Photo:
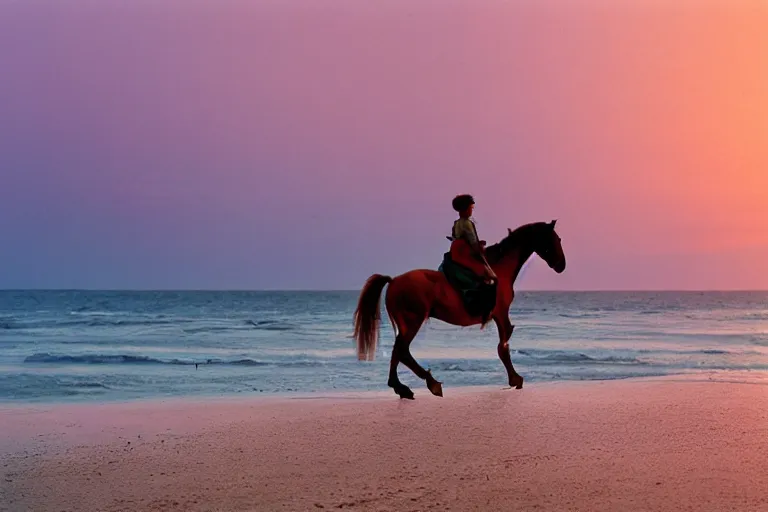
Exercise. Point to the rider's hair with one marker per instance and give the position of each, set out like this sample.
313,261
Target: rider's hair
462,202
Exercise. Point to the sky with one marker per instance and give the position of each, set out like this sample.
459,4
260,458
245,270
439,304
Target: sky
297,144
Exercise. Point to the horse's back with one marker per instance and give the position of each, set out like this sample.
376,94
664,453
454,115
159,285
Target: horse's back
423,275
426,292
418,279
415,286
421,286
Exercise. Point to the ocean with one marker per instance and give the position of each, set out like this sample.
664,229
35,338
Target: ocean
58,346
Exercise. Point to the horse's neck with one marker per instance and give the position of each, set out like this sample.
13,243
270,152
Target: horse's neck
511,264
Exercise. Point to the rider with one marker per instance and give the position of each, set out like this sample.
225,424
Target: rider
466,249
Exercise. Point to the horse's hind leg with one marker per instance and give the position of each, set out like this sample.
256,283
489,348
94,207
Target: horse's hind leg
401,389
402,351
407,327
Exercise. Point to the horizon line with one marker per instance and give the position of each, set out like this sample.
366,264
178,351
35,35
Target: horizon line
332,290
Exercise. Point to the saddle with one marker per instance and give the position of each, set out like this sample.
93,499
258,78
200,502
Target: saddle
479,298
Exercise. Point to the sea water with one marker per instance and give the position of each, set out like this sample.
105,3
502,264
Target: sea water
95,346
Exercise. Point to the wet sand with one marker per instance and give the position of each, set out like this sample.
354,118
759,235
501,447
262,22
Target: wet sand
642,444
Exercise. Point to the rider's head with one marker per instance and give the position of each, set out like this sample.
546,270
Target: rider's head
464,204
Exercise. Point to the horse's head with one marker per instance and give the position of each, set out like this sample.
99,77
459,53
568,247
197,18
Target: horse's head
550,249
546,243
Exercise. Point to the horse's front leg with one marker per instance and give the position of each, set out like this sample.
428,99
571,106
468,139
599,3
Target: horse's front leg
505,328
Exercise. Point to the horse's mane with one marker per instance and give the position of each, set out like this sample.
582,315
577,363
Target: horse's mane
522,235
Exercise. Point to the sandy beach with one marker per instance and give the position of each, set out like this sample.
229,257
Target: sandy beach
641,444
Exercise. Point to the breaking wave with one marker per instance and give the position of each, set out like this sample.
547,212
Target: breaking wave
130,359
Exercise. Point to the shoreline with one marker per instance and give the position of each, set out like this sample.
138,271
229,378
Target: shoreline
654,443
730,375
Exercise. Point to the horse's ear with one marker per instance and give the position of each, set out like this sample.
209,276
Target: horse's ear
510,231
552,224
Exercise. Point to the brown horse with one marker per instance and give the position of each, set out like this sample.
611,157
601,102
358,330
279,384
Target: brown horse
417,295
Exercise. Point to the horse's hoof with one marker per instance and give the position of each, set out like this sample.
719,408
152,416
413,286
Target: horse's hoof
435,387
516,383
404,392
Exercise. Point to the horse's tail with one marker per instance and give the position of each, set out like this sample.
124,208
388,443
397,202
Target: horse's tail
367,316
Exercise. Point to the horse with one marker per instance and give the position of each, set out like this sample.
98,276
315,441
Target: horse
420,294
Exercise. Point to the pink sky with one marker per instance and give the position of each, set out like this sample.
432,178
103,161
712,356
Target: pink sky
304,144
